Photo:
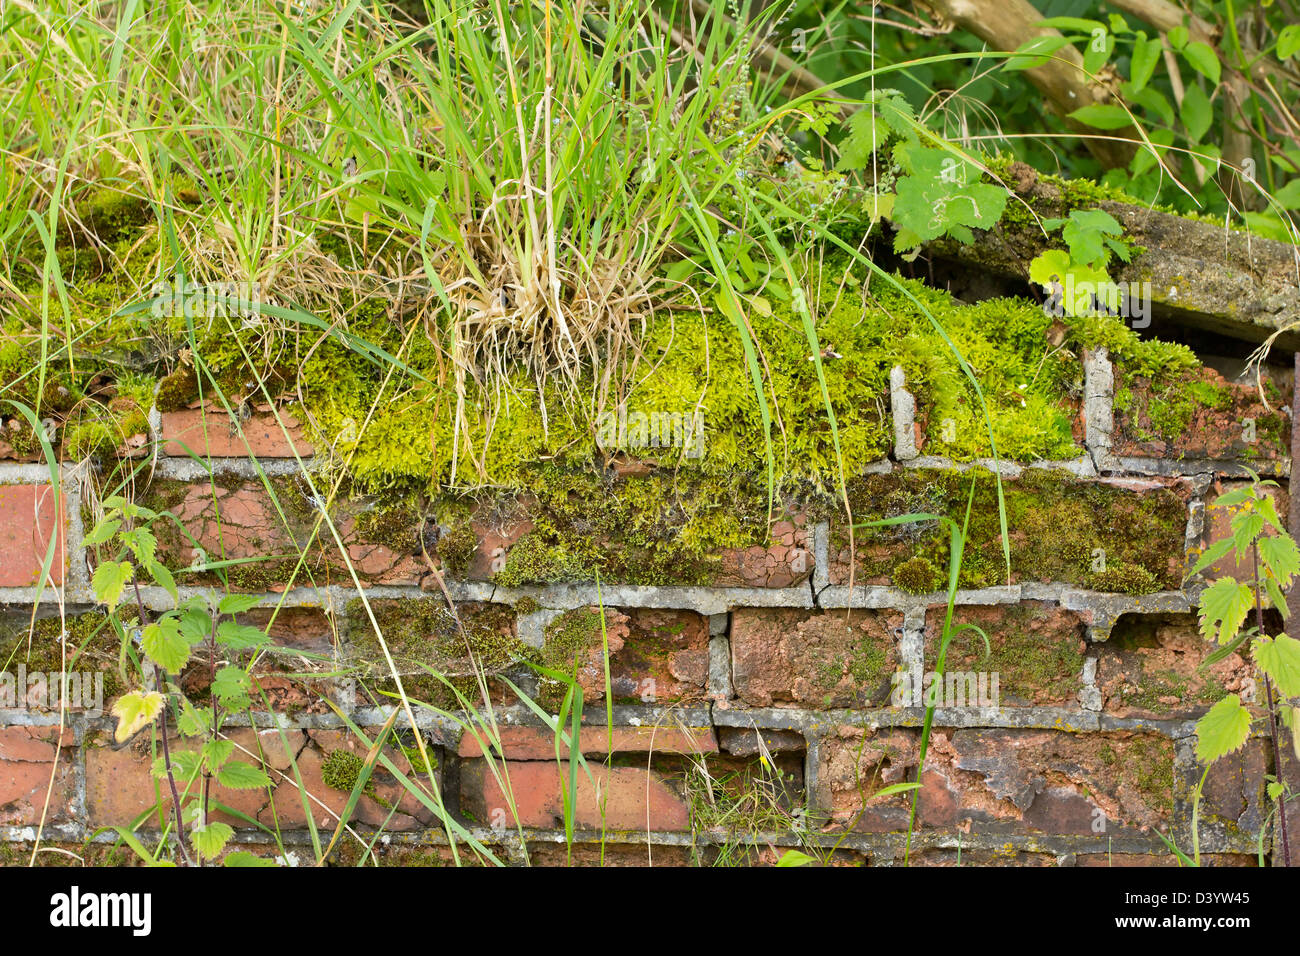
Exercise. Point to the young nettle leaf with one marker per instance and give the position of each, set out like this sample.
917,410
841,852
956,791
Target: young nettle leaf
239,637
1246,527
238,775
163,578
164,644
109,580
195,625
103,530
1279,658
210,840
190,723
216,753
135,710
1224,606
238,603
142,544
1280,557
186,766
1220,549
1223,729
231,684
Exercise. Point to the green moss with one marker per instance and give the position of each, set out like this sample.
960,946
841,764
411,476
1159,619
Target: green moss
1027,661
341,769
918,576
1123,578
457,548
526,605
92,645
1151,762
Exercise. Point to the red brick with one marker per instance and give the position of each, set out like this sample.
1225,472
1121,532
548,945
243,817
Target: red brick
28,518
1218,527
788,657
1161,859
1149,667
1035,648
990,782
537,743
28,773
633,798
786,561
611,855
209,432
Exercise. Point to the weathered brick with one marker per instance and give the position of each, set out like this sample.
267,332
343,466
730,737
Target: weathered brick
611,854
623,798
1035,648
1234,800
538,743
28,520
745,741
1001,781
1059,527
1160,859
1148,667
655,656
787,657
237,519
1200,415
28,775
209,431
1218,527
786,561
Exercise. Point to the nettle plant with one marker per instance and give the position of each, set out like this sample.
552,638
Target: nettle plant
158,648
1259,542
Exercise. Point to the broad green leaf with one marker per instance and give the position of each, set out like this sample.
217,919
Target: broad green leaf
1204,60
1049,267
1212,554
1102,116
1288,41
1035,52
217,752
1223,729
1082,24
231,683
245,858
163,577
142,544
1279,658
239,637
103,531
238,603
238,775
196,625
165,646
1178,37
135,710
109,580
1280,555
190,723
794,858
1246,527
210,840
1224,606
1196,113
1235,497
1146,54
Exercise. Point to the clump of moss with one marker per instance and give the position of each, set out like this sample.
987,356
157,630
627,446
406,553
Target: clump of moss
569,636
341,769
918,576
177,390
533,561
457,547
1121,577
526,605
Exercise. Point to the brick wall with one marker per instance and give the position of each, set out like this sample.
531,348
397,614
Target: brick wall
752,698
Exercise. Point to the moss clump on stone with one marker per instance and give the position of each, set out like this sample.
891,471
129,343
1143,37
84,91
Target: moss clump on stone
456,548
918,576
341,769
1123,578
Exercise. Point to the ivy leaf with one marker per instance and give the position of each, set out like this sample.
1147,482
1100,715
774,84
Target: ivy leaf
109,580
1204,61
165,646
238,775
210,840
1224,606
135,710
1279,658
240,637
1146,54
1223,729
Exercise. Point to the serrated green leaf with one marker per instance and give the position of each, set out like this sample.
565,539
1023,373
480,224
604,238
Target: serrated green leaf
238,603
216,753
190,723
142,544
1223,729
1280,556
239,637
195,625
1279,658
135,710
109,580
1246,527
103,531
210,840
238,775
231,683
163,578
1224,606
163,644
1213,553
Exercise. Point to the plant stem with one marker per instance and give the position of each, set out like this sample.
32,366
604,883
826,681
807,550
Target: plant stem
1272,715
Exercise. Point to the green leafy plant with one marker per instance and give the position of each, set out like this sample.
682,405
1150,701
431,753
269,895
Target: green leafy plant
1091,237
1272,560
199,629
